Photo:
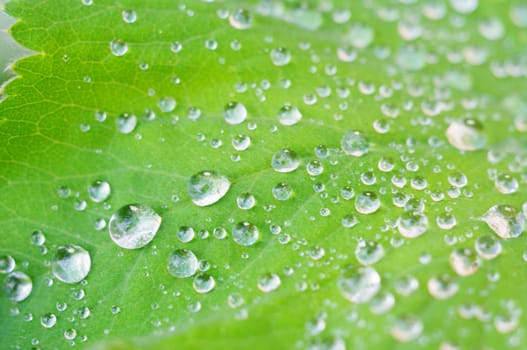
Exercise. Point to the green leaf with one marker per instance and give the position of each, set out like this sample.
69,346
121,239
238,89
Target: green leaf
404,74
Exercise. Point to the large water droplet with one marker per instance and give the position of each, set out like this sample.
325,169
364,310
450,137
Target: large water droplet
369,252
126,123
285,161
269,282
505,221
234,113
118,47
203,283
245,233
207,187
182,263
359,284
367,202
134,225
487,247
99,191
466,135
355,143
280,56
412,224
241,19
17,286
289,115
406,328
464,261
71,264
442,286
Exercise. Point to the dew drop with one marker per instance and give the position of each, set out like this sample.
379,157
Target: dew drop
241,142
17,286
285,161
245,234
367,202
487,247
406,328
118,47
246,201
48,320
133,226
126,123
359,284
355,143
466,135
282,191
369,252
71,264
269,282
464,261
234,113
280,56
185,234
207,187
99,191
182,263
7,264
442,286
129,16
505,221
241,19
203,283
167,104
289,115
412,224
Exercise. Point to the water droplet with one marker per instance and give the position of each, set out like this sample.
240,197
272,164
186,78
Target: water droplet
506,184
203,283
412,224
487,247
182,263
505,221
241,142
367,202
382,303
355,143
126,123
167,104
129,16
464,6
241,19
185,234
282,191
280,56
99,191
7,264
406,328
466,135
442,286
118,47
269,282
17,286
314,168
369,252
70,334
234,113
359,284
446,221
289,115
464,261
360,36
71,264
285,161
133,226
207,187
48,320
246,201
244,233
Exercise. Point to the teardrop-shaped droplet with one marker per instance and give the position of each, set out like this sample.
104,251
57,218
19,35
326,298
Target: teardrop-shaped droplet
505,221
133,226
207,187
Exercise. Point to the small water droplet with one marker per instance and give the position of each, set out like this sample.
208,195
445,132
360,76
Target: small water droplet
369,252
7,264
282,191
126,123
99,191
355,143
367,202
464,261
412,224
280,56
234,113
241,19
487,247
406,328
118,47
269,282
203,283
359,284
244,233
289,115
129,16
466,135
246,201
17,286
285,161
48,320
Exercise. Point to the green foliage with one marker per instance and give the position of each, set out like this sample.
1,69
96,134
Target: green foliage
415,88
